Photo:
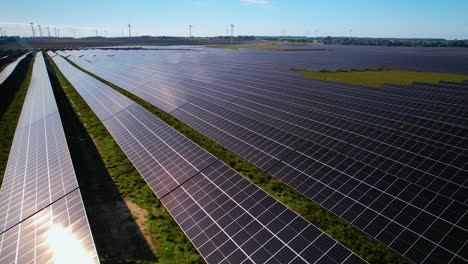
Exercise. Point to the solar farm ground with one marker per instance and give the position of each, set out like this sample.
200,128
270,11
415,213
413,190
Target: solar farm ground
122,207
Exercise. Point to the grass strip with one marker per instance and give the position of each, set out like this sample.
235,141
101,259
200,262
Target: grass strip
10,117
377,77
171,244
360,243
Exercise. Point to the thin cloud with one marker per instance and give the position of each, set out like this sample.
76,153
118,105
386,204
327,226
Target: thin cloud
254,2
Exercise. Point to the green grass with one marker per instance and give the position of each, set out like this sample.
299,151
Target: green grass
377,77
12,114
362,244
245,47
172,246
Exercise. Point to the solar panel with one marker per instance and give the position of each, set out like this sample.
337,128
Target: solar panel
163,157
399,148
39,191
57,234
226,217
461,86
9,69
230,220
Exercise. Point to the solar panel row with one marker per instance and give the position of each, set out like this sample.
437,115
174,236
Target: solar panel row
227,218
346,57
41,210
9,69
391,161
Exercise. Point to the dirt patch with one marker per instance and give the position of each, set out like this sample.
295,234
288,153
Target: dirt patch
141,215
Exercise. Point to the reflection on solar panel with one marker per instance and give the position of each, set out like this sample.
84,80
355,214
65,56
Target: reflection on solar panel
9,69
227,218
391,161
39,197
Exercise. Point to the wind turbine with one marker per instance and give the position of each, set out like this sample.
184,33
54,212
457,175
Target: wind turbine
129,31
40,30
32,28
190,31
1,32
55,30
48,31
232,32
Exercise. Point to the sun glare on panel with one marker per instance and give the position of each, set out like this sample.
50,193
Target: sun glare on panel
66,248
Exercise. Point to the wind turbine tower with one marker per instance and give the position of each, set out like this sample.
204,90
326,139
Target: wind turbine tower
232,32
40,30
1,32
55,30
190,31
48,31
32,28
129,31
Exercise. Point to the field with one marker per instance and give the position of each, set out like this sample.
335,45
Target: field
105,42
378,77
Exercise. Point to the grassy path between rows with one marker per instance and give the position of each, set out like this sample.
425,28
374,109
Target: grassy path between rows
359,242
121,190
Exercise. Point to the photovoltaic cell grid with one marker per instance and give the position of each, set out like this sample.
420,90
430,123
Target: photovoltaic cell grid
221,205
163,156
338,57
9,69
417,164
57,234
40,174
222,213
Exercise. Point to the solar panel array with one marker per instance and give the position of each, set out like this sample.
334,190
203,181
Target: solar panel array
391,161
227,218
9,69
40,201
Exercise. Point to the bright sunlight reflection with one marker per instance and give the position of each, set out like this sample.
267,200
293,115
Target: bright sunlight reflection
66,248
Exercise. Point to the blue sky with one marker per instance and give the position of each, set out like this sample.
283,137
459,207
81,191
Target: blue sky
363,18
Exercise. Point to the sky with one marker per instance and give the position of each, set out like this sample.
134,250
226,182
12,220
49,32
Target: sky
362,18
